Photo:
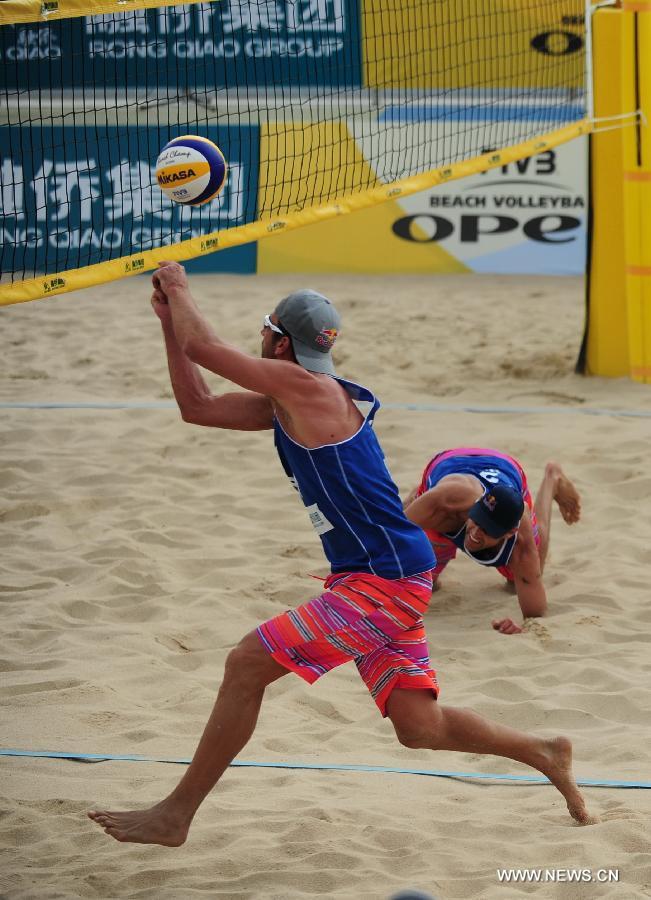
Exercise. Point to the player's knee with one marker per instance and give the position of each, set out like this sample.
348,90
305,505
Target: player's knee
244,669
415,718
235,672
414,738
414,732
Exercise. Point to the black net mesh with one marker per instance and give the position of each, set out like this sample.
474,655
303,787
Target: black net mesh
311,101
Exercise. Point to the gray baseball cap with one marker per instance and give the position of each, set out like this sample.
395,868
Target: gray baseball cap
313,324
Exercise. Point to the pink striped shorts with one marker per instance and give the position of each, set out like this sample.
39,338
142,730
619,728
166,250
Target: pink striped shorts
375,622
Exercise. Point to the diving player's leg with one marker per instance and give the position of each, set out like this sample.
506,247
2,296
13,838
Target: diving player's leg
555,486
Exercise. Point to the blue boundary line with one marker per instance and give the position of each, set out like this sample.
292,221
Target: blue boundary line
391,770
417,407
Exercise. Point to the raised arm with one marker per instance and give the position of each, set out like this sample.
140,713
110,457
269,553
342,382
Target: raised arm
241,411
197,340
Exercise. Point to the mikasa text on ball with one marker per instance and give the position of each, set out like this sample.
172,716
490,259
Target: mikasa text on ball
191,170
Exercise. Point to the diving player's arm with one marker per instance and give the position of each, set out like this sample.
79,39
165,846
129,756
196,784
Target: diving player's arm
527,575
451,495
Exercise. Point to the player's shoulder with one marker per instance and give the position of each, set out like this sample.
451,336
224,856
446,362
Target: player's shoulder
454,492
293,377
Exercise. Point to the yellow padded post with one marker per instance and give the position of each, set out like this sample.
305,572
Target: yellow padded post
607,325
637,189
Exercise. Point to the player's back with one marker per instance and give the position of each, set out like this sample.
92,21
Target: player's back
353,503
489,466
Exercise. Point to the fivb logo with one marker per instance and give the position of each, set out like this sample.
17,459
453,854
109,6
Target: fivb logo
53,284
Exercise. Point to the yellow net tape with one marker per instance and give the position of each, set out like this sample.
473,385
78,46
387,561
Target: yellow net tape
47,286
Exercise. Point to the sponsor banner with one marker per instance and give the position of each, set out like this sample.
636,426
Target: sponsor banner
74,196
528,217
192,48
506,44
525,218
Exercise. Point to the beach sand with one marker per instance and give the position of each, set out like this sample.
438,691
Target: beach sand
139,549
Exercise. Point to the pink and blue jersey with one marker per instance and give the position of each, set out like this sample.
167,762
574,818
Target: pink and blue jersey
352,501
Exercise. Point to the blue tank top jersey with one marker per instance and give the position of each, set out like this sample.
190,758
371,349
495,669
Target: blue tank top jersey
353,502
490,470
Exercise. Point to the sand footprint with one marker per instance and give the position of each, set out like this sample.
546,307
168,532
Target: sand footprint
533,626
24,512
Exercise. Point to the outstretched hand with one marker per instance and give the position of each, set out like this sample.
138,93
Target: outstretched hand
160,306
168,275
506,626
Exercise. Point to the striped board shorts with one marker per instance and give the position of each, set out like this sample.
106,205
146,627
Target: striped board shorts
375,622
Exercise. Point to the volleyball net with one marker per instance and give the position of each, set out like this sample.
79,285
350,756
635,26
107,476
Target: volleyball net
321,107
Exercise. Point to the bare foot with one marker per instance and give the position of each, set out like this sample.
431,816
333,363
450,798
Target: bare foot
565,494
558,768
157,825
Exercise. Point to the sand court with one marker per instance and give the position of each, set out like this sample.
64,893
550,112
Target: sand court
139,549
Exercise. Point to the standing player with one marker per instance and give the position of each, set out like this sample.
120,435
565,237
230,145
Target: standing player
477,500
372,606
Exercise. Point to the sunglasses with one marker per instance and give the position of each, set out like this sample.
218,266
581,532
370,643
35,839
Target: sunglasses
277,328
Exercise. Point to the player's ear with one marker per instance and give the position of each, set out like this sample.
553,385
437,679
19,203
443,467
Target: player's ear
282,346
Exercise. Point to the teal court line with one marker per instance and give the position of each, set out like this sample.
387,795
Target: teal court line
391,770
416,407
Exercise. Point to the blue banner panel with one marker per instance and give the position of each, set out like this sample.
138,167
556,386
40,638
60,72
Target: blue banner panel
205,46
75,196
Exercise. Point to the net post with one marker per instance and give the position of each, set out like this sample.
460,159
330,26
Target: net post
637,189
605,345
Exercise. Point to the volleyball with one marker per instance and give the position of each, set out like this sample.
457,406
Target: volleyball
191,170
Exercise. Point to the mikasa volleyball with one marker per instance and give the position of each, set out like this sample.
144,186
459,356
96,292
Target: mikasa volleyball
191,170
